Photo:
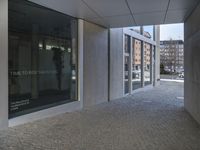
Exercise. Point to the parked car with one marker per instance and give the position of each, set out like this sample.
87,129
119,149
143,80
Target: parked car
136,74
181,74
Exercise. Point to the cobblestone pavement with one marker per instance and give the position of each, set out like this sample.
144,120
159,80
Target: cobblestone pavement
151,120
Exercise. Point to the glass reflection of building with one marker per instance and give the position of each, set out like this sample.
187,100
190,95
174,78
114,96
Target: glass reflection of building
126,63
142,57
147,64
42,58
136,64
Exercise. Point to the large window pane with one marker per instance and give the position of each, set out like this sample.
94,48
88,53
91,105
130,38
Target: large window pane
42,58
136,64
147,63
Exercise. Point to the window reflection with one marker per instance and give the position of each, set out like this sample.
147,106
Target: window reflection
147,63
42,58
136,64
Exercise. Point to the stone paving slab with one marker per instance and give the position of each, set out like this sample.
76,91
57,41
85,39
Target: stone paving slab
150,120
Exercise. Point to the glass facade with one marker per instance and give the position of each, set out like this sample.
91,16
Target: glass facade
126,62
146,31
136,64
42,58
139,58
147,64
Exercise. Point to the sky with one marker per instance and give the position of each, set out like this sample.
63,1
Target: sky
174,31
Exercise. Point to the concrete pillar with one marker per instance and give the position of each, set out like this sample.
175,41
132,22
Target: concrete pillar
192,64
116,63
151,64
157,55
154,65
142,57
130,66
142,63
3,64
133,59
80,61
95,74
154,57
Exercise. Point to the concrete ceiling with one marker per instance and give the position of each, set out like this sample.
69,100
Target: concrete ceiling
124,13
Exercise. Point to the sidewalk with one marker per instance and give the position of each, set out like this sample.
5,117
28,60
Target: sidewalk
150,120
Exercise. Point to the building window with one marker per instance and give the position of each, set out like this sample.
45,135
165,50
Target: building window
42,58
136,64
147,63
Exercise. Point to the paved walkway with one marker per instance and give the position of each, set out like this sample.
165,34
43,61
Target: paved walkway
150,120
172,80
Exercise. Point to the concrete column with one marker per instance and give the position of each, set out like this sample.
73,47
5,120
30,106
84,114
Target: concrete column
3,64
154,66
80,61
154,57
130,66
133,59
116,63
192,63
142,57
151,64
142,63
154,32
109,56
157,55
95,74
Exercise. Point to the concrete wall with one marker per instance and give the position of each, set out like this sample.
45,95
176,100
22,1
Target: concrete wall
3,64
95,66
116,63
157,55
192,64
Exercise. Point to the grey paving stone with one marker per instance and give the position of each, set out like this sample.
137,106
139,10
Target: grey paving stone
150,120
